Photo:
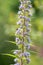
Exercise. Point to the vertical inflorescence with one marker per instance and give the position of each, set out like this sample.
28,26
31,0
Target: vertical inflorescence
23,33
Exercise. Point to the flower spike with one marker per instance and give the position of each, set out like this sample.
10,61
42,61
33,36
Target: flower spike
23,32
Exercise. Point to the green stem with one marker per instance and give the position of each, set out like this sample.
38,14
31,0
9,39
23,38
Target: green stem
23,41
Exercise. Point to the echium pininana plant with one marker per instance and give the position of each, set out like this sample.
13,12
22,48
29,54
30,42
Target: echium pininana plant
23,33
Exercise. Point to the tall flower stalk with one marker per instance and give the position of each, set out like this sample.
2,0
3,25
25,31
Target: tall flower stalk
23,33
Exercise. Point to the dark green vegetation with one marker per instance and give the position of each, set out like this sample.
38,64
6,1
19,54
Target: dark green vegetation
8,19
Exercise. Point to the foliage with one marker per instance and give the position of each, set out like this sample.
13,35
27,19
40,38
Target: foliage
8,19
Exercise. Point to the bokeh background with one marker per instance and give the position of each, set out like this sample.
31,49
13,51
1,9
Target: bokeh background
8,19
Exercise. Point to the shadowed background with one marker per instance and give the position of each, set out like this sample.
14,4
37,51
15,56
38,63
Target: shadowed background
8,19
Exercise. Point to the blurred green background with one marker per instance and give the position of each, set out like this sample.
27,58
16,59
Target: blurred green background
8,19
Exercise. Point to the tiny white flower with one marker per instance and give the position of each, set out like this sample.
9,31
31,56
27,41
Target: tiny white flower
28,29
29,6
18,31
25,54
19,12
21,7
25,33
28,1
24,2
15,60
30,13
28,39
29,24
21,55
21,26
17,51
26,24
28,10
20,16
19,22
17,39
28,19
17,64
18,42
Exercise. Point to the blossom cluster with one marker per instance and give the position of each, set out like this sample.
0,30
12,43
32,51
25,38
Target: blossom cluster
23,33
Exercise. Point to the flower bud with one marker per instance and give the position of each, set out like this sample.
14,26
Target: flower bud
26,54
21,7
18,31
28,60
27,46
